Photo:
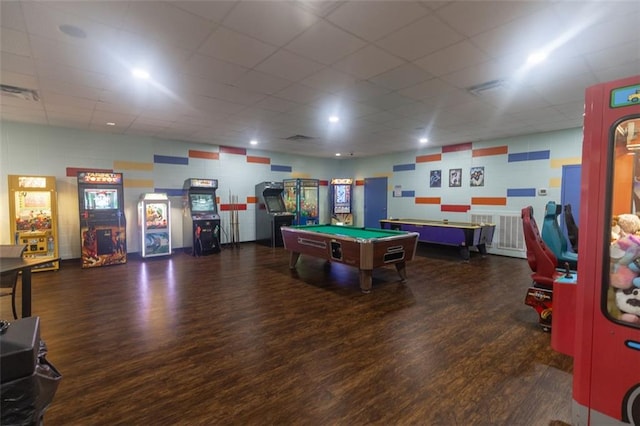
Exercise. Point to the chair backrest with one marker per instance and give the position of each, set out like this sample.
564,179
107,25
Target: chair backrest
12,250
541,259
572,227
551,232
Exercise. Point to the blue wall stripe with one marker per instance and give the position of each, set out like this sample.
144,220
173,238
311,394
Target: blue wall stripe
403,167
529,156
408,194
277,168
167,159
171,192
521,192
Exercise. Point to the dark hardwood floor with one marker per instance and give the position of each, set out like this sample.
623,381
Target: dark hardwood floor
238,338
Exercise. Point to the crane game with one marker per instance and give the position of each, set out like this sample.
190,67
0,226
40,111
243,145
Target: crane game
33,207
341,190
102,220
201,221
154,224
599,315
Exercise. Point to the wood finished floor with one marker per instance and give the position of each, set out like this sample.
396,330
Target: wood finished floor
238,338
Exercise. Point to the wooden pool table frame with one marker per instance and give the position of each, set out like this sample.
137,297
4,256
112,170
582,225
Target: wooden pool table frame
388,248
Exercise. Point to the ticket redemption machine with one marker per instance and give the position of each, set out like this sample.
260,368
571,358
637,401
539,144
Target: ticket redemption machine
34,209
301,198
599,313
271,213
103,227
341,191
201,221
154,224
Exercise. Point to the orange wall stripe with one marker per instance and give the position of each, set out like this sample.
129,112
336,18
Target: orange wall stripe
427,158
427,200
204,154
484,152
259,160
360,182
489,201
252,200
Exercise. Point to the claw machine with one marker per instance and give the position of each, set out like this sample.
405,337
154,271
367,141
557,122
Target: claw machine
154,224
341,191
34,209
605,330
301,198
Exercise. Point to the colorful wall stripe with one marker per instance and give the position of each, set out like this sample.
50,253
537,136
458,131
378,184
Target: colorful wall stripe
427,200
530,156
232,150
403,167
168,159
489,201
130,165
408,194
459,147
73,171
278,168
171,192
138,183
428,158
457,208
521,192
259,160
485,152
193,153
559,162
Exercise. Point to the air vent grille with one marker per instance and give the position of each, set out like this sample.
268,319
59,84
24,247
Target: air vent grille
297,138
20,92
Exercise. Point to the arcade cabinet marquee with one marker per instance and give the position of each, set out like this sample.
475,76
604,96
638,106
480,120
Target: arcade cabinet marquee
102,220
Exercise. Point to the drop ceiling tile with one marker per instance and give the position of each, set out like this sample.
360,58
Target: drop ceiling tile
363,90
400,77
374,20
11,15
368,62
212,10
17,64
276,104
433,88
329,80
276,23
16,42
236,48
325,43
432,33
19,80
477,74
300,93
215,69
289,65
256,81
452,58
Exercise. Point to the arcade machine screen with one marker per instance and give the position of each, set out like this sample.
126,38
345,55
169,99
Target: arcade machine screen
342,199
101,199
274,204
202,202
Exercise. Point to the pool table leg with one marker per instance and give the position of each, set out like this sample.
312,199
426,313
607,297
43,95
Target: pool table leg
365,280
464,252
293,259
482,248
402,271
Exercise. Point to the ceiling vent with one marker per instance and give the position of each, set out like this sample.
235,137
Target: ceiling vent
488,88
20,92
297,138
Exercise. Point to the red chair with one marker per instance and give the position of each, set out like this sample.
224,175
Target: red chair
543,263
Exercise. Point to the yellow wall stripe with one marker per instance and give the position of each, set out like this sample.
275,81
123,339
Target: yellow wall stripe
130,165
138,183
559,162
555,182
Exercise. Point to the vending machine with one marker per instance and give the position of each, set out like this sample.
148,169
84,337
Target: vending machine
33,208
271,213
301,198
599,313
201,221
341,190
154,224
102,222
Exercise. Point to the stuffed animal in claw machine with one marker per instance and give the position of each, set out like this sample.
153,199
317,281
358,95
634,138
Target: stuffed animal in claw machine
625,277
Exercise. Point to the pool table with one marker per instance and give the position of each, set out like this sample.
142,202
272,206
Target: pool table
363,248
460,234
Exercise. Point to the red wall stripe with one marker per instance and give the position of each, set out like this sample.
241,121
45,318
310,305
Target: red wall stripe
323,183
259,160
484,152
204,154
229,207
459,147
459,208
360,182
233,150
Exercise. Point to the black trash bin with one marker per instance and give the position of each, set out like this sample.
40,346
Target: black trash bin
28,381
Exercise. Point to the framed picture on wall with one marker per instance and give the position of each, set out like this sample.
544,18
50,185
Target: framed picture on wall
455,177
476,175
435,179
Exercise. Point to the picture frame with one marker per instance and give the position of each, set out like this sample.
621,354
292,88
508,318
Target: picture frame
455,177
435,179
476,176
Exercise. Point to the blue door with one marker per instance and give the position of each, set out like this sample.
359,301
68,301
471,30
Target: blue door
375,201
570,194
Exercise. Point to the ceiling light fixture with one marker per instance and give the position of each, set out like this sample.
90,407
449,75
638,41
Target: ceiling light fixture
110,123
253,142
334,119
140,73
537,57
424,140
338,154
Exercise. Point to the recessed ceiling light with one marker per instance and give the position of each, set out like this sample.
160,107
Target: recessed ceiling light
110,123
140,73
334,119
424,140
254,142
338,154
72,31
537,57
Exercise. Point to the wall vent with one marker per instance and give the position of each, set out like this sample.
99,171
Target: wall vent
20,92
488,88
297,138
508,238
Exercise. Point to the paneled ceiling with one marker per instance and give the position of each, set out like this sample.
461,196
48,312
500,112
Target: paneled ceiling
228,72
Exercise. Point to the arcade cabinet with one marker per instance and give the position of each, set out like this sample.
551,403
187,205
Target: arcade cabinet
34,209
341,190
301,198
103,227
605,329
201,221
271,213
154,224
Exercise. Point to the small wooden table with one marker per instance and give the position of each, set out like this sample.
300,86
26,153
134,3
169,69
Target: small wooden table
24,264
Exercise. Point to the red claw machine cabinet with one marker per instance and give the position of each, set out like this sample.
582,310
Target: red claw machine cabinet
201,221
34,209
301,198
154,224
341,190
102,222
606,333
